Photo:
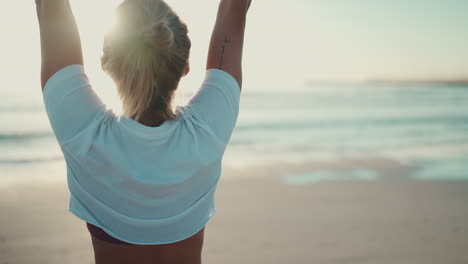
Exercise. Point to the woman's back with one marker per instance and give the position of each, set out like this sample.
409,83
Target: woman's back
142,185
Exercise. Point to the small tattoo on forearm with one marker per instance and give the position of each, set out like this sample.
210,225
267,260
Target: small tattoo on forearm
223,49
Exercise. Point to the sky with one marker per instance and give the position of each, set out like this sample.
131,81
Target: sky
287,42
364,39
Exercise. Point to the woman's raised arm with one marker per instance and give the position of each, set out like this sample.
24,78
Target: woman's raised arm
60,40
227,40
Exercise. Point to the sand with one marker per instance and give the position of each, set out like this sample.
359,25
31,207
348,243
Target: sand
260,219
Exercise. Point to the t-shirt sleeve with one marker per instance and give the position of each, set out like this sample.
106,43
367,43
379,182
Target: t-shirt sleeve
70,103
217,103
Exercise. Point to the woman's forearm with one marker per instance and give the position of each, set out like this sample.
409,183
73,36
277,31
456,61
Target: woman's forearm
52,9
239,7
227,40
60,39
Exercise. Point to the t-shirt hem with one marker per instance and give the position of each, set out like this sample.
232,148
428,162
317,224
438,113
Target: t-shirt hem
205,222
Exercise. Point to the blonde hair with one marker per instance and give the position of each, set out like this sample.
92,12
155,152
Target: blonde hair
146,53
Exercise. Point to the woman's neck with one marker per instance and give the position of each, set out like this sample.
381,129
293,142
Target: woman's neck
151,121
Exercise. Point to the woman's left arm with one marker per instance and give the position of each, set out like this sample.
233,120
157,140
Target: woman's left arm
60,39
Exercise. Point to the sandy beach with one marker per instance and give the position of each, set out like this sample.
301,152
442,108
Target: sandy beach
260,219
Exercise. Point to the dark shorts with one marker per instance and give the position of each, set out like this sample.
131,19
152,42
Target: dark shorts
101,235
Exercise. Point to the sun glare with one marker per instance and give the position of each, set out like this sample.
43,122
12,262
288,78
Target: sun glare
95,18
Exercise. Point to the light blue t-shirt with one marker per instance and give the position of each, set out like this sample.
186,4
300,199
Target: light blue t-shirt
143,185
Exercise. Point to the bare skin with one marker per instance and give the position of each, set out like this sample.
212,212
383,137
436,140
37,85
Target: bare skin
187,251
227,40
61,47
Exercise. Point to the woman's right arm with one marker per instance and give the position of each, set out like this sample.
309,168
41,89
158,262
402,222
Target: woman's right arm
217,102
227,40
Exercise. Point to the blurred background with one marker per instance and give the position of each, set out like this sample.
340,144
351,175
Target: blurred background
324,80
334,90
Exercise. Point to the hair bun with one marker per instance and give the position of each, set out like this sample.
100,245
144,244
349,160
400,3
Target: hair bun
159,36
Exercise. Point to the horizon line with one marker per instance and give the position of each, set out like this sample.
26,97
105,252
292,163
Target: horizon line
385,81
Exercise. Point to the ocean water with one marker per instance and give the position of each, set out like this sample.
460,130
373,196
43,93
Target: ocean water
421,126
